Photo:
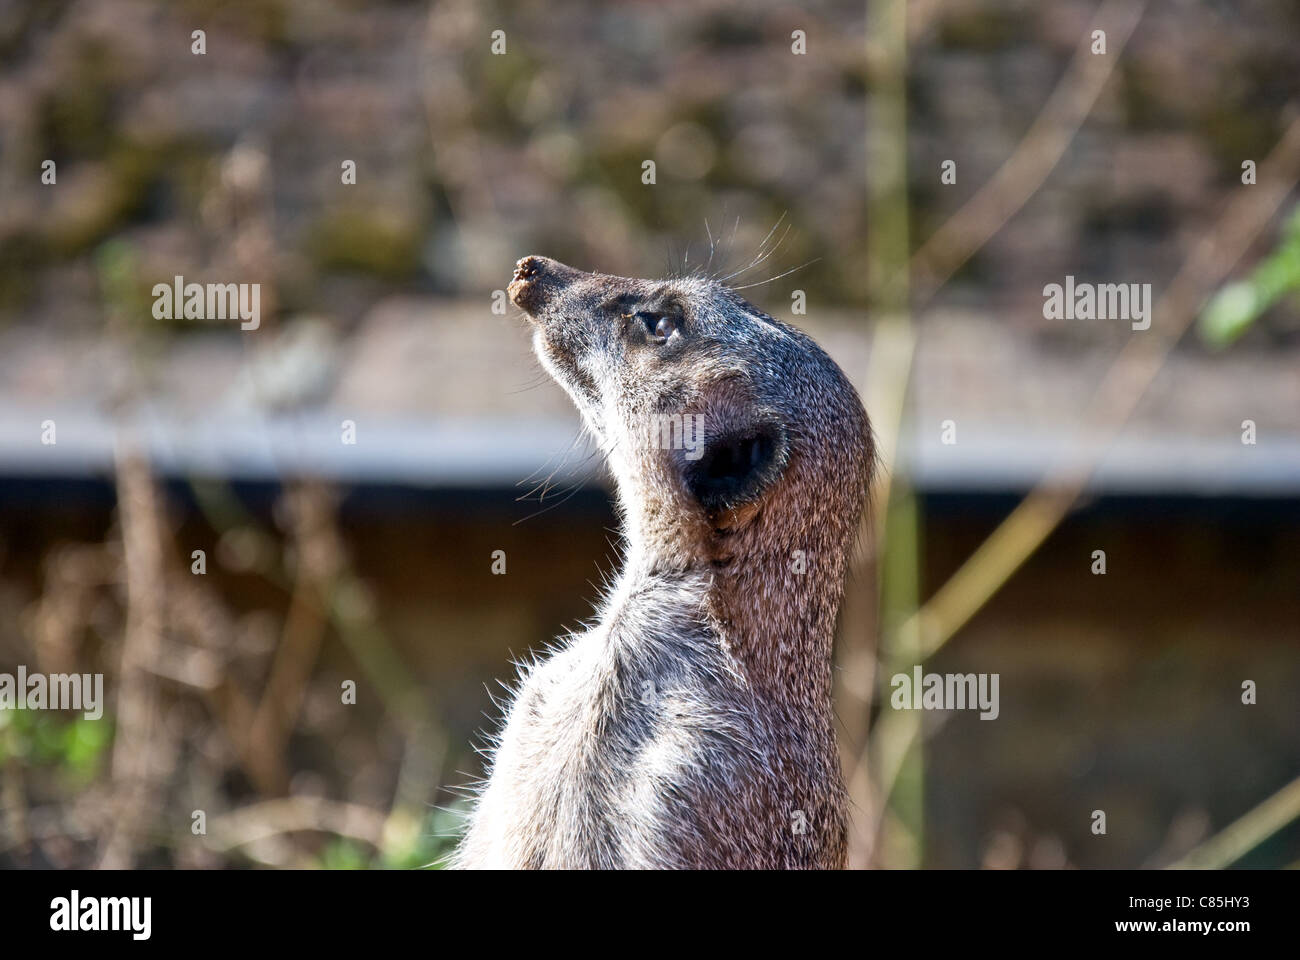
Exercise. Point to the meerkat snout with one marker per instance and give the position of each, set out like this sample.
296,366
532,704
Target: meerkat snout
536,281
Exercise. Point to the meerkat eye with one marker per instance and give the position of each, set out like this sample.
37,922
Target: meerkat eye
666,327
659,326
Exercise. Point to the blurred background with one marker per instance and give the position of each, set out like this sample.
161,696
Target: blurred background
202,534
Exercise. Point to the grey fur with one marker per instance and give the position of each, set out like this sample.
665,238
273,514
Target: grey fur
691,727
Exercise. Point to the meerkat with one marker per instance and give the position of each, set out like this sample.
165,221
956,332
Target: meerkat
691,726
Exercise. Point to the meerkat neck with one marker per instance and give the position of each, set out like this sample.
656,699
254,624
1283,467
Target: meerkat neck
773,609
780,625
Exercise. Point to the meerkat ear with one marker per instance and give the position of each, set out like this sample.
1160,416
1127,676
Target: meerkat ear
738,463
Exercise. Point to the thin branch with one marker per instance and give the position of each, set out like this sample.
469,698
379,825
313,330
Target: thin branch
1125,384
1037,155
1246,833
271,818
931,266
1127,380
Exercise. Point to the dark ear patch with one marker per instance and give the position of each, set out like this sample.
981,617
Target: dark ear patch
737,466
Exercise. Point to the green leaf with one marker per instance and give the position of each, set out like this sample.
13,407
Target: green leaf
1229,314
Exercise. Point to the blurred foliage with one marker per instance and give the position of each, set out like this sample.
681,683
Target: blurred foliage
432,840
75,746
1239,305
117,265
465,160
383,242
342,854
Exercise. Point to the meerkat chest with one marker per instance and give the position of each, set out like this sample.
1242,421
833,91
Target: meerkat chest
611,759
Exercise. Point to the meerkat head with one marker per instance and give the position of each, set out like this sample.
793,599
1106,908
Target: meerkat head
715,418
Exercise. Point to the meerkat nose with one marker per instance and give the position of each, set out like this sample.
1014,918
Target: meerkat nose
536,279
529,267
